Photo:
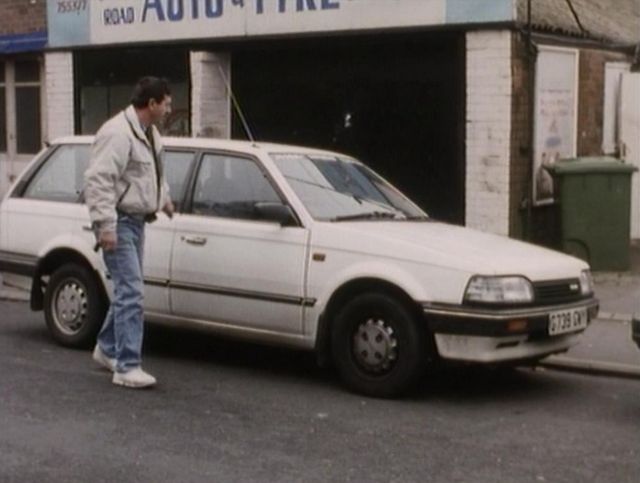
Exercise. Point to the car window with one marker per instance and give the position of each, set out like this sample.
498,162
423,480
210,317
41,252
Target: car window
229,186
61,177
177,165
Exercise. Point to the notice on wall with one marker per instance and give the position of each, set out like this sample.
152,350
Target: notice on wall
555,116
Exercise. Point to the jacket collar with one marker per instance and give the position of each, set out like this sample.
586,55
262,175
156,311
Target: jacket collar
133,121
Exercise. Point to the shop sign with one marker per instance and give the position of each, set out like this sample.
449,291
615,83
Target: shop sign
68,22
131,21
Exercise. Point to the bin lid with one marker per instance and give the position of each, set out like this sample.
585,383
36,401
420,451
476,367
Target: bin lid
599,164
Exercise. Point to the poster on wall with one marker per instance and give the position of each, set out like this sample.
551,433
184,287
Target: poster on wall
555,116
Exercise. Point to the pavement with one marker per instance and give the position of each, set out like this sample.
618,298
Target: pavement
605,348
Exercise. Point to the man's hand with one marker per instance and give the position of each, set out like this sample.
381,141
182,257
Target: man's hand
108,240
169,209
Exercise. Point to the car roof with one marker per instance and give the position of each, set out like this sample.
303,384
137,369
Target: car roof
212,143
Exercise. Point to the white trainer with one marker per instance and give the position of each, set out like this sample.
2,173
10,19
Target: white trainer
135,378
102,359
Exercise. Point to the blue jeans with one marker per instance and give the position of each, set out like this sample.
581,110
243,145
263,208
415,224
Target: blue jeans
121,335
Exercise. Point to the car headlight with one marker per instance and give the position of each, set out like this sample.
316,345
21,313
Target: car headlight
586,282
506,290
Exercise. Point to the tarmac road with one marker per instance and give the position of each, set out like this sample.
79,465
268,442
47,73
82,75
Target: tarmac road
237,412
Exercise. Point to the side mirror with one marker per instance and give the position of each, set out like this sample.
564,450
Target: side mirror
276,212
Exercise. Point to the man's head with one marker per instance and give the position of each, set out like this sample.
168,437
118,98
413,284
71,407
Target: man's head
152,99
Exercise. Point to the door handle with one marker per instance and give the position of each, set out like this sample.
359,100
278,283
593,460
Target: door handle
195,240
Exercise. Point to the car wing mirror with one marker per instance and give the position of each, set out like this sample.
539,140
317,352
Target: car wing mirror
277,212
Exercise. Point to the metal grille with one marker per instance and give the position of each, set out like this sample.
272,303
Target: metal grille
557,291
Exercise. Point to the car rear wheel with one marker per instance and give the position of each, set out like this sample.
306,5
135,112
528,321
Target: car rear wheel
378,345
74,306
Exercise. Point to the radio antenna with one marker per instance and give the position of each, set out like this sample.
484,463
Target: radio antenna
236,105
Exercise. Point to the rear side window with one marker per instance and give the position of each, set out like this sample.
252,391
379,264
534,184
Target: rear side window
61,177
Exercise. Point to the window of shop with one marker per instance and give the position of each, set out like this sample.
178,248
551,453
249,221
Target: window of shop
20,116
106,78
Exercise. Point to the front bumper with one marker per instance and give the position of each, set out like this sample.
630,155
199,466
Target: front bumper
500,335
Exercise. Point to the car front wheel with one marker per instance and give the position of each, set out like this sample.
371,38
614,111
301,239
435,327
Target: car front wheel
378,345
74,306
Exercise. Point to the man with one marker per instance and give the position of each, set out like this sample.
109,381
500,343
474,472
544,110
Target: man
124,189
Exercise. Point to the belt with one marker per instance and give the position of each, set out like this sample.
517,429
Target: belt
146,217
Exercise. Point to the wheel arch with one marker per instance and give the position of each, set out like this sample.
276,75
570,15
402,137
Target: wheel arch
349,290
49,263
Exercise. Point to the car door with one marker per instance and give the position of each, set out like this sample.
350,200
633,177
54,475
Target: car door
178,164
47,212
229,267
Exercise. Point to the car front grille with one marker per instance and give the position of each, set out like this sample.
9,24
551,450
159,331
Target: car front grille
557,291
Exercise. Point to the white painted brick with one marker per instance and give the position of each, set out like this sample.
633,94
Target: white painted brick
58,92
489,85
210,102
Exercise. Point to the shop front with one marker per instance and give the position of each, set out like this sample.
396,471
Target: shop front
385,82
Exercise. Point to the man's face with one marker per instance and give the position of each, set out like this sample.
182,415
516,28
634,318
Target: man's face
159,110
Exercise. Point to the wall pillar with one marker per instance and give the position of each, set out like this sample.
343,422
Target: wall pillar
58,95
210,101
488,119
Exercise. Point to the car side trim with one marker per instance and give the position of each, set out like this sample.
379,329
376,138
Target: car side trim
18,263
635,330
230,292
156,282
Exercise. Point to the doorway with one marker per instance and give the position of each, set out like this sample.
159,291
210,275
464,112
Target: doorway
396,102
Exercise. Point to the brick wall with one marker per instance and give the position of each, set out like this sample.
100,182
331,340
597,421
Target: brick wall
521,142
489,111
541,224
210,103
58,92
538,224
22,16
591,99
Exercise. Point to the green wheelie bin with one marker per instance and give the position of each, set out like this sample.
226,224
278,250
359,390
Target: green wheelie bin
594,196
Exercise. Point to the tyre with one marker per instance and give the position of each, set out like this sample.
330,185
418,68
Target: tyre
378,345
74,306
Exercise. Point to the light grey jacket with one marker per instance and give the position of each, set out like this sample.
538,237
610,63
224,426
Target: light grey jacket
122,172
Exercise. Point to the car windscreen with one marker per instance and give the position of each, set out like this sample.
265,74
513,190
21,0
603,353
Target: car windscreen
335,189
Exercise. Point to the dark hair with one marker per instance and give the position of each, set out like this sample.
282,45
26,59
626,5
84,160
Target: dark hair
149,88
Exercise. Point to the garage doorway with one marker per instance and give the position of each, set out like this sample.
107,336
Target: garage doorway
394,101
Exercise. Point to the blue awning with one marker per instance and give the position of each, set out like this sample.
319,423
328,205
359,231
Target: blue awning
15,43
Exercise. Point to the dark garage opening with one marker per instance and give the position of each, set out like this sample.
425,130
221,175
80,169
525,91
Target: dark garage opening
395,102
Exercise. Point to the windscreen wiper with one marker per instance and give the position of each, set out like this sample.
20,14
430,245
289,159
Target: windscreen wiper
371,215
419,218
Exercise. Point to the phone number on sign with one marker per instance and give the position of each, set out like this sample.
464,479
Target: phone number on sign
71,6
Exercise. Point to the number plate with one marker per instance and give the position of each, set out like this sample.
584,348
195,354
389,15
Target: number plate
565,321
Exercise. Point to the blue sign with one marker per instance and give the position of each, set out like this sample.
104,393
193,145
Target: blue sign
68,22
479,11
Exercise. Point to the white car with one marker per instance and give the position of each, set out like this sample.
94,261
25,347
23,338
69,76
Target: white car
298,247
